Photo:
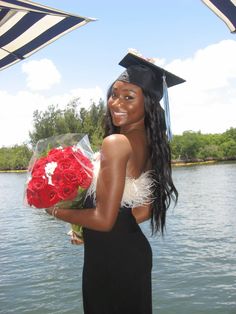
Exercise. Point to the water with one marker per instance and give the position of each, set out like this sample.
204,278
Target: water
196,262
194,266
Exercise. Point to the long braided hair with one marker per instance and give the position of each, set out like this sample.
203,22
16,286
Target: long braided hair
164,191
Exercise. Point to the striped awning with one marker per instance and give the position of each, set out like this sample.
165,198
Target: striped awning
226,10
26,27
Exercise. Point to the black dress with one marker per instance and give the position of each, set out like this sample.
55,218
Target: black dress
117,268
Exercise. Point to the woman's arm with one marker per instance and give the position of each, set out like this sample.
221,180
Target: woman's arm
142,213
115,154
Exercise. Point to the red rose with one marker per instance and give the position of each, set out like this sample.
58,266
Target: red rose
49,196
37,183
66,163
40,194
70,177
78,154
57,178
67,176
73,170
86,163
33,198
39,172
67,192
84,179
68,151
55,154
39,164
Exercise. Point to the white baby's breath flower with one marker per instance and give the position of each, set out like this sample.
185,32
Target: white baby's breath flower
49,170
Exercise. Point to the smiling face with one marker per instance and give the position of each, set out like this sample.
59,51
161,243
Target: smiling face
126,105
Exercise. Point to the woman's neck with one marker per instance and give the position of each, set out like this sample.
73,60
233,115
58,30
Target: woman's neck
139,126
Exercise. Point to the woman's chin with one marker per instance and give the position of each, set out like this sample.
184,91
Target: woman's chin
118,122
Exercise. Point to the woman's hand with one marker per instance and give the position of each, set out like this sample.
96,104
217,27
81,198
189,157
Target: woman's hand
74,239
52,211
116,151
49,210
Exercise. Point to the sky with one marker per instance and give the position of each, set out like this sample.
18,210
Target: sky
184,36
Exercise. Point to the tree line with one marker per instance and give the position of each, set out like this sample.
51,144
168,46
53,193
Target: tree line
190,146
194,146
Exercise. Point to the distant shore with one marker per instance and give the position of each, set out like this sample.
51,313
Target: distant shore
192,163
13,171
208,161
175,163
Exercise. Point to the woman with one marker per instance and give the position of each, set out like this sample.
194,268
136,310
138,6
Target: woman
134,184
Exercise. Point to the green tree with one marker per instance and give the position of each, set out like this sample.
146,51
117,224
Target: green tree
230,134
210,151
194,145
98,119
55,121
46,124
228,143
15,158
190,144
177,147
229,148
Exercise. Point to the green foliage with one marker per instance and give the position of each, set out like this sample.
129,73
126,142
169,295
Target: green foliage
229,148
76,119
55,121
194,145
15,158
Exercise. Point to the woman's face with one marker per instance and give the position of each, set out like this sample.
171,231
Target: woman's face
126,104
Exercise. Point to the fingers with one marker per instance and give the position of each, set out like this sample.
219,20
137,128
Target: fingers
74,239
49,210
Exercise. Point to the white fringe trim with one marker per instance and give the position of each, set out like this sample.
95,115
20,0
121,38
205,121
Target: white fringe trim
137,192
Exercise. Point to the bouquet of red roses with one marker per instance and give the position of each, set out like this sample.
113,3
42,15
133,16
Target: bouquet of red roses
59,173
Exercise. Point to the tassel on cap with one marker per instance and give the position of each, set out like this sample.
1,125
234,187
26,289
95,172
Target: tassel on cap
167,109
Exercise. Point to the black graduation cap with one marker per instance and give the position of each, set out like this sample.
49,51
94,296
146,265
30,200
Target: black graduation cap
146,74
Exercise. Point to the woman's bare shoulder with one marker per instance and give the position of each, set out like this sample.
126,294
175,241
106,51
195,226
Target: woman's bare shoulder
117,145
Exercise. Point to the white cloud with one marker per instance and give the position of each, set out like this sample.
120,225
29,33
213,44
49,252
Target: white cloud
16,111
41,74
206,102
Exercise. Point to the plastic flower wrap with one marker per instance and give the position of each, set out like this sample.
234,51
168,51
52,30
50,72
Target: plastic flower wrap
59,173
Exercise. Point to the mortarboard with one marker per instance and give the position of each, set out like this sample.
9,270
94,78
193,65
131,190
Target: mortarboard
150,77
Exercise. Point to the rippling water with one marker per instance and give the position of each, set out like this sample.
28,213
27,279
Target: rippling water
194,265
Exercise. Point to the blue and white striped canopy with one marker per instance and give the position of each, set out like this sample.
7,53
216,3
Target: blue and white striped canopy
226,10
26,27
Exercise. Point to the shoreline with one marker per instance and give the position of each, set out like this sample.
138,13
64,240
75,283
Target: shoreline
13,171
174,163
183,163
193,163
